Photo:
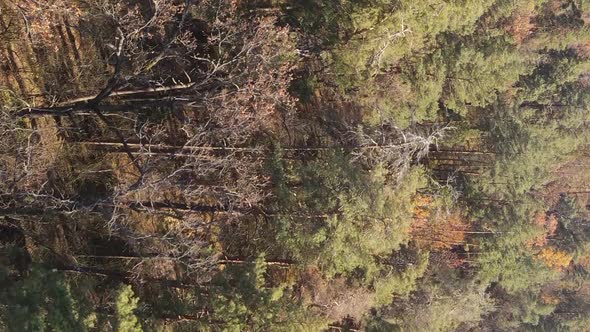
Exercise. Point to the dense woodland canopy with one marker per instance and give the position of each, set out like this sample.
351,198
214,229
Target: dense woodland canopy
295,165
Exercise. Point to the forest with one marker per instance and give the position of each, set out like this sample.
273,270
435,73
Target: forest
295,165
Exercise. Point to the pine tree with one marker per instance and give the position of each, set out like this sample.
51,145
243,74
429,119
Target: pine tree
38,299
126,305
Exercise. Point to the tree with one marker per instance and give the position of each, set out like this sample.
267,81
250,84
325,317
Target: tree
126,305
348,216
435,307
245,302
38,299
555,259
571,234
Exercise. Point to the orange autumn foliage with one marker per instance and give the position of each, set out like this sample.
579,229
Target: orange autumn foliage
422,207
549,299
521,28
548,224
554,258
521,24
585,261
439,233
551,224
